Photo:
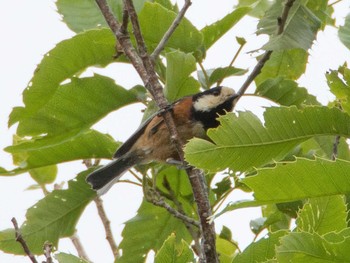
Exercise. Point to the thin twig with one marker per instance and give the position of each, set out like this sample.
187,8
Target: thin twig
47,252
23,243
79,246
195,232
204,73
170,30
107,226
257,69
160,202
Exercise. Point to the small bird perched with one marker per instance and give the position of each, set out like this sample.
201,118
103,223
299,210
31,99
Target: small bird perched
193,116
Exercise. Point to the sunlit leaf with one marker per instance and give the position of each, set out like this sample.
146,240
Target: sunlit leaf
215,31
58,149
148,230
299,31
289,64
242,142
179,83
53,217
259,7
76,106
300,179
312,248
172,251
186,37
323,215
261,250
95,47
68,258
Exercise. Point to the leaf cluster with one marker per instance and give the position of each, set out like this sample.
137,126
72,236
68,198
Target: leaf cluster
295,160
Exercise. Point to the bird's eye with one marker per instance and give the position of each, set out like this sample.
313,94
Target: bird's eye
216,92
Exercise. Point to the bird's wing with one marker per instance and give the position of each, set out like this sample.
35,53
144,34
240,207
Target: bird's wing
126,146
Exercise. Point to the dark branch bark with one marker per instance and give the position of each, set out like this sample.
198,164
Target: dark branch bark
23,243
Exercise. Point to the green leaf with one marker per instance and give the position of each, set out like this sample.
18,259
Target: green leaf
285,92
68,258
344,32
179,83
186,37
217,74
69,57
215,31
289,64
148,230
312,248
82,15
76,106
259,7
242,142
44,175
53,217
339,83
299,31
261,250
173,252
58,149
226,249
238,205
323,215
300,179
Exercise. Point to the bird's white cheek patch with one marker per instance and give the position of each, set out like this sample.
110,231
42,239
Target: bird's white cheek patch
206,103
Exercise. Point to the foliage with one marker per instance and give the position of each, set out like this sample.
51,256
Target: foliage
283,159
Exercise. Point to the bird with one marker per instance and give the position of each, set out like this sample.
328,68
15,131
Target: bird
193,116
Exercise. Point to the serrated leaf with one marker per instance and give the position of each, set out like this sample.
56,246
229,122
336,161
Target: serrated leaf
58,149
339,83
285,92
344,32
77,106
53,217
242,142
173,252
215,31
299,31
323,215
68,258
186,37
312,248
95,47
289,64
81,15
261,250
216,74
148,230
301,179
179,83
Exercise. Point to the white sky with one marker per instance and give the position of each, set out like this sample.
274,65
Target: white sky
31,28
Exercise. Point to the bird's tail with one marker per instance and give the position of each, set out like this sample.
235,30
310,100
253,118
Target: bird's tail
103,178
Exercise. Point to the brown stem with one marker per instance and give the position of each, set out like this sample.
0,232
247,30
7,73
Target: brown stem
170,30
107,226
257,69
23,243
79,247
47,252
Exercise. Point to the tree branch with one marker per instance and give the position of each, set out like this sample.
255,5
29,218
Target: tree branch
107,226
171,30
23,243
79,247
47,252
257,69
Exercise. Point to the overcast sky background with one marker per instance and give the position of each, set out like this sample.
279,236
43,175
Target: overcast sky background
31,28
